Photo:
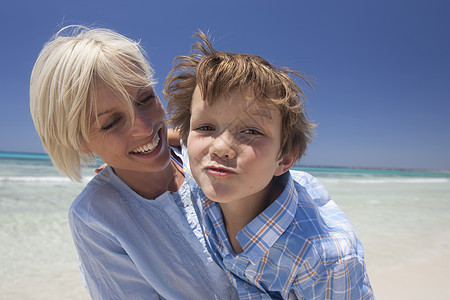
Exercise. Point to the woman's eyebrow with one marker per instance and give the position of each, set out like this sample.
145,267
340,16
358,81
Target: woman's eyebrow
105,112
143,91
101,114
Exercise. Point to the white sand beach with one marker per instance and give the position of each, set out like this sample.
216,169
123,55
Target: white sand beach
403,222
427,279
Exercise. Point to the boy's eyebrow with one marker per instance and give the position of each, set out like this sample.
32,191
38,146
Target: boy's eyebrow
261,112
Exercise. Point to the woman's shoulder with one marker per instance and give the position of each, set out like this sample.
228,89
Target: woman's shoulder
99,193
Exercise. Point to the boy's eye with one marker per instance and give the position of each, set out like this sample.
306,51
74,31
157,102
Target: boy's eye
252,131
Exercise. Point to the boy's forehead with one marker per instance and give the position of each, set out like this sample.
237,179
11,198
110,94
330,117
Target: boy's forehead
244,97
248,108
252,105
262,113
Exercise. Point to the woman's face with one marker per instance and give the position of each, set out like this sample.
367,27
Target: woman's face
130,146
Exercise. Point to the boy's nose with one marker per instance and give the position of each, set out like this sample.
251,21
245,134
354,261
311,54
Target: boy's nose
143,125
224,146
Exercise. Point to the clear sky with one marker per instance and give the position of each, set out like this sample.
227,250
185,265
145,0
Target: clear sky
382,97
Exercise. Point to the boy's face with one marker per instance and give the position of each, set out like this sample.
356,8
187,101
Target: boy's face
234,146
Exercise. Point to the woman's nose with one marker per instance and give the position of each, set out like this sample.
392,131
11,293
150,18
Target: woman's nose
224,146
143,124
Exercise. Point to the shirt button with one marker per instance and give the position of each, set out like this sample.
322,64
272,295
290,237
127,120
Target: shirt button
246,286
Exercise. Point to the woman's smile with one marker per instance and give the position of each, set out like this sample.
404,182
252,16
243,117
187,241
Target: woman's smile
149,147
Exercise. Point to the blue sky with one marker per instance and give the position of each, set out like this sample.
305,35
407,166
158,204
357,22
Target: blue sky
382,97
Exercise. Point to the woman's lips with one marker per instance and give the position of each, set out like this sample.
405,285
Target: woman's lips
149,147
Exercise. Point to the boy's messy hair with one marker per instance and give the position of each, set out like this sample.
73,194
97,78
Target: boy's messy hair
218,73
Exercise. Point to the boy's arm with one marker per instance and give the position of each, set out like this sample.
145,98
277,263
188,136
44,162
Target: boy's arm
327,275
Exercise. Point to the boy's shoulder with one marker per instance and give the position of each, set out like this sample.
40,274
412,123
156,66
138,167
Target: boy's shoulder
320,221
305,182
319,236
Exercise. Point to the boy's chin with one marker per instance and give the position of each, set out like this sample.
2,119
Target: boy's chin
214,195
221,198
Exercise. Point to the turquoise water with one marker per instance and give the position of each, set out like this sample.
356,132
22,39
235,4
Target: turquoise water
38,259
334,171
17,155
399,215
316,171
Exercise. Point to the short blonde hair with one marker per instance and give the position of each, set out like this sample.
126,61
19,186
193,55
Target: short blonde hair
63,88
218,73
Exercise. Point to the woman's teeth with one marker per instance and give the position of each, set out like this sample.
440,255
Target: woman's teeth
147,148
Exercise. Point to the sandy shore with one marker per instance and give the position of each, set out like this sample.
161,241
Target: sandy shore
426,279
421,280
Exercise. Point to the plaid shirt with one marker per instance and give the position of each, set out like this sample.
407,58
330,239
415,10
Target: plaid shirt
301,247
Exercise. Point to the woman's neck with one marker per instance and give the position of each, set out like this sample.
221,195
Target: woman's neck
150,185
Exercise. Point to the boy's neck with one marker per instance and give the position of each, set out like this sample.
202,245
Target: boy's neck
240,213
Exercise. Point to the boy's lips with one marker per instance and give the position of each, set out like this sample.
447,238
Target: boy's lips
219,171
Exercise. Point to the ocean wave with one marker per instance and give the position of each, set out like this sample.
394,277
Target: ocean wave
401,180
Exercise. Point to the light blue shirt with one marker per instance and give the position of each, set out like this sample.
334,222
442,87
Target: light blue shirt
134,248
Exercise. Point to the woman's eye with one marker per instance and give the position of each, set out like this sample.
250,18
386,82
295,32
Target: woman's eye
147,100
110,125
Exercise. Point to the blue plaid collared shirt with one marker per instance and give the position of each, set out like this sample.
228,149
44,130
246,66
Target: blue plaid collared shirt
301,247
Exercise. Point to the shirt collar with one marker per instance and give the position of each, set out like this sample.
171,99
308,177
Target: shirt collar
262,232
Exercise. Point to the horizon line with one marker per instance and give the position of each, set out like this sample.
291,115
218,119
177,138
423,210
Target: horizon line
297,164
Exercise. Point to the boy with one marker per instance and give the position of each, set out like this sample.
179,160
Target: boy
276,232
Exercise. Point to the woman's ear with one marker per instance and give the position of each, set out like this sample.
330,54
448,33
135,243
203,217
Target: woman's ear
85,149
285,164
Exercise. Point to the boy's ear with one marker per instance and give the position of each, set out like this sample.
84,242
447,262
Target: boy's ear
285,164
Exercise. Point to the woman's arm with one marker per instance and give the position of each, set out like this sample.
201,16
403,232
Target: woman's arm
107,269
174,137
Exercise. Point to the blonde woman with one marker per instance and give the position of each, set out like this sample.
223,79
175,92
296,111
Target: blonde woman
134,227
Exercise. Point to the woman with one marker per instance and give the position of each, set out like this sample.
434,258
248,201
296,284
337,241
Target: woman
137,236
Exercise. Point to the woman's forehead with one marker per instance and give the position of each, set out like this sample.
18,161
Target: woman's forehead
105,93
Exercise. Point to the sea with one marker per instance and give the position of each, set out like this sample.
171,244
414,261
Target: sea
399,215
